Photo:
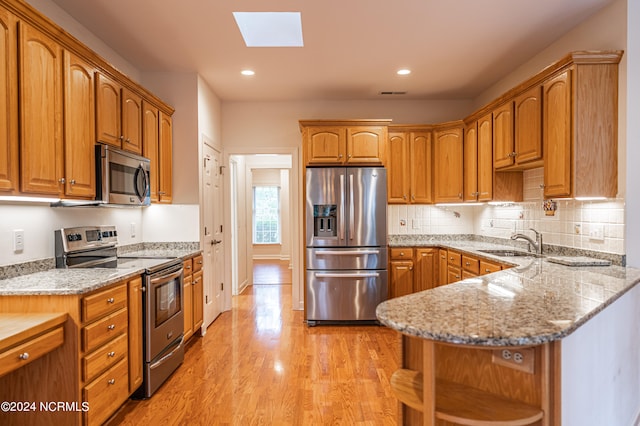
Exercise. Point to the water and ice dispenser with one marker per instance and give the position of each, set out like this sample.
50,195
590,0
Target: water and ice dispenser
325,220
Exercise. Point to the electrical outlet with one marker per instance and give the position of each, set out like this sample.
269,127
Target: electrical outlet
133,230
403,222
596,232
577,228
18,240
522,359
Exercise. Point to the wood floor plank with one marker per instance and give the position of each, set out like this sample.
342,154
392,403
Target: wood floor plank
259,364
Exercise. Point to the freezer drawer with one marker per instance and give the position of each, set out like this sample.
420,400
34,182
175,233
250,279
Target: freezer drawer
347,258
344,295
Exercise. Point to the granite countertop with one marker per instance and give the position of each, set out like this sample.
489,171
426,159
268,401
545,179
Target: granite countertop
534,302
82,281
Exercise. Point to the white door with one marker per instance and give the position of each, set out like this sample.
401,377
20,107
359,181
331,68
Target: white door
213,244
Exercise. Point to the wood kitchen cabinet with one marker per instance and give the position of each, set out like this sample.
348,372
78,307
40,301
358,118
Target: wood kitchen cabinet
118,115
79,128
426,269
193,295
443,275
478,160
135,333
9,165
528,127
448,163
503,136
351,142
41,137
165,162
409,167
401,272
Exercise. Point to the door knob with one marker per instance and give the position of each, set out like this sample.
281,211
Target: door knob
214,242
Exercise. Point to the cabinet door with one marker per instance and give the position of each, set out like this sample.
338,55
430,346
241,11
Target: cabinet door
443,265
397,170
425,269
8,102
197,300
366,145
79,128
108,109
503,143
40,113
454,274
528,126
556,134
325,145
421,167
470,172
135,333
401,278
485,158
150,144
187,303
165,188
448,165
131,122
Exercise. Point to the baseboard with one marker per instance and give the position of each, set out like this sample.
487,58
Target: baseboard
243,286
271,257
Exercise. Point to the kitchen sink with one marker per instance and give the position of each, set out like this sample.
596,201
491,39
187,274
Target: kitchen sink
509,253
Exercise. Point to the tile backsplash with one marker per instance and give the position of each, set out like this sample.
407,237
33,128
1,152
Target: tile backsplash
590,225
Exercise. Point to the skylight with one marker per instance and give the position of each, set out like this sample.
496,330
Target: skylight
270,29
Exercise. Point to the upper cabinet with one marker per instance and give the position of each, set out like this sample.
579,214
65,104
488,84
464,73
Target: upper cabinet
528,127
151,144
165,153
503,153
41,162
79,128
8,103
478,160
409,166
448,163
354,142
580,124
118,115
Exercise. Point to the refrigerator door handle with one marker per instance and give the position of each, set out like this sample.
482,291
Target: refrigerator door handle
340,213
347,275
345,252
351,210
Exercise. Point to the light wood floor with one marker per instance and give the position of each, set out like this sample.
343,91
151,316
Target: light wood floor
271,272
259,364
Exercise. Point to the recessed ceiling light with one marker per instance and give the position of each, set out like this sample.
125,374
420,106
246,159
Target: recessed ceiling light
247,72
403,71
270,29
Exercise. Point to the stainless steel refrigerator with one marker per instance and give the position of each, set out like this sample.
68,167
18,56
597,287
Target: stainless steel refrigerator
346,243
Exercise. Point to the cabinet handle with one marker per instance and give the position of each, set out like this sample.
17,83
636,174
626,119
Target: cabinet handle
112,381
110,300
61,180
111,327
24,356
451,258
401,253
111,354
200,261
413,197
349,156
72,181
460,195
467,263
404,197
196,281
487,270
339,155
127,140
457,277
121,138
188,267
542,186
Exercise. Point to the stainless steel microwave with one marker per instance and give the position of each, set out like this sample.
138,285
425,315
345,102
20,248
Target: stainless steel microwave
122,178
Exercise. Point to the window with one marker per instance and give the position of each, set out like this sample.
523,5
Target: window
266,215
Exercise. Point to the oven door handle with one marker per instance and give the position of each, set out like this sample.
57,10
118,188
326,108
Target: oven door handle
347,275
167,277
169,355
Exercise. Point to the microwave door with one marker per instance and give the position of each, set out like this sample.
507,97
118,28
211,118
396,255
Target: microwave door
141,183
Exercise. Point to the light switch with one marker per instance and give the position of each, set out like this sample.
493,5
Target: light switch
18,240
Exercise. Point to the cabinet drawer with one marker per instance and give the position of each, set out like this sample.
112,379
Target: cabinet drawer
23,354
471,264
106,393
94,335
454,258
488,267
197,263
401,254
187,265
103,358
104,302
454,274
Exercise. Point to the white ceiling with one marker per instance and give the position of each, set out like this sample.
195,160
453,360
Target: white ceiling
352,48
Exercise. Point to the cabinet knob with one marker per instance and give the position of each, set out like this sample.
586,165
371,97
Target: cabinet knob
188,267
542,186
121,138
467,263
24,356
404,197
339,155
112,381
61,180
111,300
111,354
127,140
72,181
460,195
413,197
349,156
111,327
401,253
487,270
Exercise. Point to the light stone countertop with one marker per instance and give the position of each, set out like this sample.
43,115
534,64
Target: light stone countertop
534,302
82,281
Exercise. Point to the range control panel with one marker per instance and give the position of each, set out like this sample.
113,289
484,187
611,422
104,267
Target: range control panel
85,237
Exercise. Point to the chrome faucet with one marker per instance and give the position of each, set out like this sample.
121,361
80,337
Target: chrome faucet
537,244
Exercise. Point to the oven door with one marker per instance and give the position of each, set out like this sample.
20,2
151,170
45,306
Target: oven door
164,310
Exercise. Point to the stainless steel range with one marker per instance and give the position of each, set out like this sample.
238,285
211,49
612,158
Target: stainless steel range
163,317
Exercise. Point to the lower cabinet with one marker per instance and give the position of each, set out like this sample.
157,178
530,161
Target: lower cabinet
193,295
